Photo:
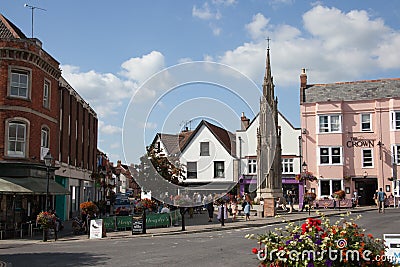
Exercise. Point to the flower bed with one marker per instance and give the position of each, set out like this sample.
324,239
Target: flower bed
319,243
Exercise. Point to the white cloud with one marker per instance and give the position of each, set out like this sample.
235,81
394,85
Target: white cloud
257,27
141,68
104,91
205,13
338,30
149,125
184,60
115,145
208,58
215,29
108,129
224,2
333,45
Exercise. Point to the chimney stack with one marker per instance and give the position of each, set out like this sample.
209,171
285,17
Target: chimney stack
303,84
245,122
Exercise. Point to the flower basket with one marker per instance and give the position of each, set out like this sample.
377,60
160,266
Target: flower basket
46,219
318,243
89,208
148,204
305,176
339,195
390,179
310,196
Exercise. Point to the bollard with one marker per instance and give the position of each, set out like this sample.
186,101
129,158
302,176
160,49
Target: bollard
182,211
144,221
222,215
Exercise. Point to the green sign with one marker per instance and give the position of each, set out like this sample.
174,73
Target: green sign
124,222
156,220
109,223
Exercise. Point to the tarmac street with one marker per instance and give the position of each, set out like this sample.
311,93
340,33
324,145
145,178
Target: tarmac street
203,244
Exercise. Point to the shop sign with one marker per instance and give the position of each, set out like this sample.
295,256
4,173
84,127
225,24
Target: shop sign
360,142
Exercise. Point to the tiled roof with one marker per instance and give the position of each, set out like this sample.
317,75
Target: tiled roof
174,142
352,91
9,31
226,138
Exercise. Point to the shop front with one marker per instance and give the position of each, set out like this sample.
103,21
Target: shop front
248,185
295,186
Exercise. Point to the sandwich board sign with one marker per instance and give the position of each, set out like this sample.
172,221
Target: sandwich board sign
137,224
96,228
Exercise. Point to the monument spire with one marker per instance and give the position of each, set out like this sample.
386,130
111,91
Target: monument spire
268,85
269,177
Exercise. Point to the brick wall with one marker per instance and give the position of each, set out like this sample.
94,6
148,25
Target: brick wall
41,66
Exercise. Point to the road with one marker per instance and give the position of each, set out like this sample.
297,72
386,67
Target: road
218,248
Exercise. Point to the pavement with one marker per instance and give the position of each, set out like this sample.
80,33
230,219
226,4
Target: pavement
198,224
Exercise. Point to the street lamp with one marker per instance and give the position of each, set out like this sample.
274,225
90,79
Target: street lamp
304,165
48,159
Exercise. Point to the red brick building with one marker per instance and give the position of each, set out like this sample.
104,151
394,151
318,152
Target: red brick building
40,113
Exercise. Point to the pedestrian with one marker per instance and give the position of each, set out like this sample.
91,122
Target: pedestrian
305,201
290,201
381,196
334,201
234,207
210,210
247,208
225,213
355,197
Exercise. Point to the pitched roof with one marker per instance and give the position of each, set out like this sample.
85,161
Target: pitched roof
226,138
8,30
173,143
281,115
352,91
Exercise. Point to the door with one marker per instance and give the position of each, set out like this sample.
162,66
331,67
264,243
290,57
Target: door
366,191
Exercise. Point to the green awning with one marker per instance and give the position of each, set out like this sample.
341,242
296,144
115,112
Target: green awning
30,185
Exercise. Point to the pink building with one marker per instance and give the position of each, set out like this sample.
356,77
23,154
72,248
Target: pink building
351,136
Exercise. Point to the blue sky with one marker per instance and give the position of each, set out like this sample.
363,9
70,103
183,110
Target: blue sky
108,50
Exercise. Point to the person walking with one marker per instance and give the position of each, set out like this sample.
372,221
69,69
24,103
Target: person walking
234,207
246,210
381,196
305,201
210,210
290,199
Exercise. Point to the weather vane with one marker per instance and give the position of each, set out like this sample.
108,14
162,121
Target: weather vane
268,39
33,8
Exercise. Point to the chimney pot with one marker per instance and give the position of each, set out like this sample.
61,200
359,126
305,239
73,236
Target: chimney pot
245,122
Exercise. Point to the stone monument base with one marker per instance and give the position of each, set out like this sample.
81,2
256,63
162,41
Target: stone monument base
269,207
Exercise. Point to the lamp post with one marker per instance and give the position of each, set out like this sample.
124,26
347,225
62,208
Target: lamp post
48,159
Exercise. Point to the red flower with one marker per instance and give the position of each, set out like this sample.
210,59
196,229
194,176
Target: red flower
254,251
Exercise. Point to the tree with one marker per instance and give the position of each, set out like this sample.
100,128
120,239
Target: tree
158,173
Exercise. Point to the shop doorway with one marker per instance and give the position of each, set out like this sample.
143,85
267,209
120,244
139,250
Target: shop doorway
295,191
366,190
